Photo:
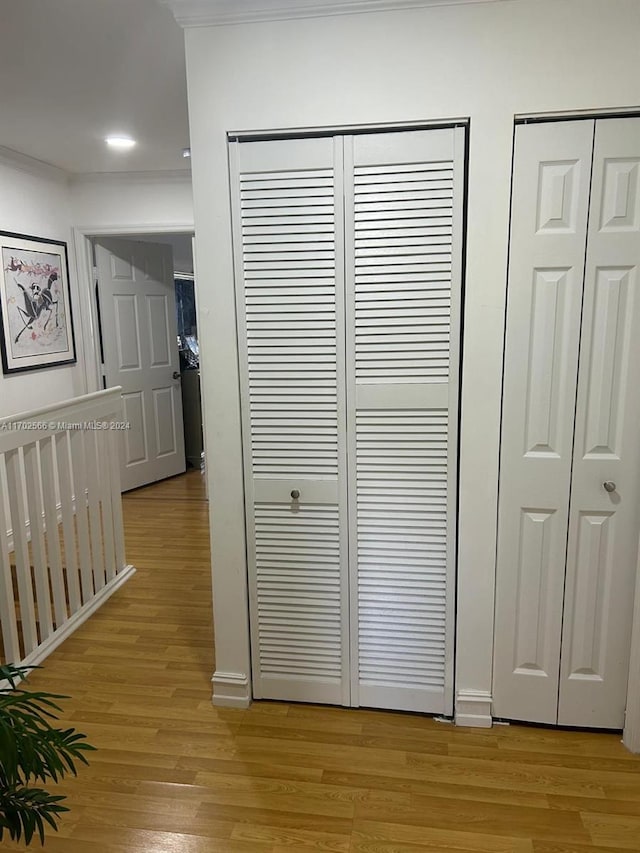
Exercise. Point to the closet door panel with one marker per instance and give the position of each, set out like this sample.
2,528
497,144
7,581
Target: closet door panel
603,531
403,248
551,179
288,212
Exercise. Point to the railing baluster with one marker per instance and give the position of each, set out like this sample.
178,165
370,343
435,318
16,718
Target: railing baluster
47,450
36,518
79,488
15,484
93,470
68,526
114,441
10,641
102,442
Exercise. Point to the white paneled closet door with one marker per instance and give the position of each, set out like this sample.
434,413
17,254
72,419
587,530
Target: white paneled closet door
404,201
288,201
570,466
552,166
604,525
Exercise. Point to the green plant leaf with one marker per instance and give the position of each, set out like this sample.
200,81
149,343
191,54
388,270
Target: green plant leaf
32,749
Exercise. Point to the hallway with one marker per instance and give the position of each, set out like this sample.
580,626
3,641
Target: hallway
172,774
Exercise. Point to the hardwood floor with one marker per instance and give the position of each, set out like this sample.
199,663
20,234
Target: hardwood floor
173,774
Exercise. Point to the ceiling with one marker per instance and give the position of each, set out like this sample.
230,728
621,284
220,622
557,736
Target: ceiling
74,71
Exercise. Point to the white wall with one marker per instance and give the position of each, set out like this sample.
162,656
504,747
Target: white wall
485,61
132,201
34,200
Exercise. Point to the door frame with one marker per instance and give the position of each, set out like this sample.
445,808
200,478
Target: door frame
82,237
83,251
631,730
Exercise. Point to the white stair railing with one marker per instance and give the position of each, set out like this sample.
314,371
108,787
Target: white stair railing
61,532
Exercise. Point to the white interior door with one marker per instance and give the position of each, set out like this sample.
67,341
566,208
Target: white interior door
138,321
569,515
404,203
604,525
288,203
552,168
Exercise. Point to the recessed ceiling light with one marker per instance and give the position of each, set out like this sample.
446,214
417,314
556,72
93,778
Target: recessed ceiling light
186,152
121,142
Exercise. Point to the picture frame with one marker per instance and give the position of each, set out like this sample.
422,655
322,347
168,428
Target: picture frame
36,316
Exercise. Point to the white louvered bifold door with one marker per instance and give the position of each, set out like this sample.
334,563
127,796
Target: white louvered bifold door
288,213
403,211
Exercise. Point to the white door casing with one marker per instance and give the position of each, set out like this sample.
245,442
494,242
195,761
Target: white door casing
603,526
552,166
138,322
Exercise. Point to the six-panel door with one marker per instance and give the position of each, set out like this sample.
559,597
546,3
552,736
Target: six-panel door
138,326
605,485
570,460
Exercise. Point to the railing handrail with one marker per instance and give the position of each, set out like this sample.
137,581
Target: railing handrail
29,427
63,407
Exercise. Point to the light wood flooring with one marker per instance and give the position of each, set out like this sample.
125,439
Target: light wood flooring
173,774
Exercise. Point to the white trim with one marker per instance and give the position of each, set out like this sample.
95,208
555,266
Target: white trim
216,13
39,168
231,689
178,227
248,135
473,709
60,635
569,115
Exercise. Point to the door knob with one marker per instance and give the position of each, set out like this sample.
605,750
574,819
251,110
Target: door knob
295,494
176,374
609,486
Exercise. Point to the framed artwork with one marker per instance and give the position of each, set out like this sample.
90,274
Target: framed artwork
36,323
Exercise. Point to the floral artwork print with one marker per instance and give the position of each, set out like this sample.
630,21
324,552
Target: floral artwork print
36,318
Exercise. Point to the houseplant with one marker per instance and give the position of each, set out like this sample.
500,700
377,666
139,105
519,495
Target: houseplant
32,751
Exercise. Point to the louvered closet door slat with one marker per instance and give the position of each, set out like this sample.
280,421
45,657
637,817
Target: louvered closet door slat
403,261
288,214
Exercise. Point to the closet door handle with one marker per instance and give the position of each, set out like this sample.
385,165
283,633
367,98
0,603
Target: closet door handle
295,494
609,486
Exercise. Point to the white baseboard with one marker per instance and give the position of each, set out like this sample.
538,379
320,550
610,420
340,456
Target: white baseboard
231,689
473,708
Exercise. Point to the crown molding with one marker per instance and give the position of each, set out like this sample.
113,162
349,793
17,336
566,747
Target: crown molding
216,13
25,163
